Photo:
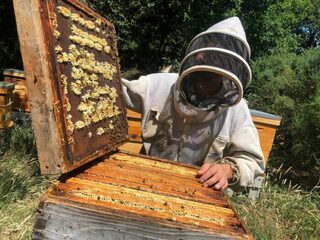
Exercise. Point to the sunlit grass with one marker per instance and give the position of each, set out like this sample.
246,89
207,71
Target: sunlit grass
281,211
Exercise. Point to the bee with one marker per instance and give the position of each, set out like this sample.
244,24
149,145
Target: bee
72,48
76,73
93,77
82,21
111,126
60,58
98,47
76,88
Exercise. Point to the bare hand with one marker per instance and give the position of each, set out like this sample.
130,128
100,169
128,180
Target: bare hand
212,174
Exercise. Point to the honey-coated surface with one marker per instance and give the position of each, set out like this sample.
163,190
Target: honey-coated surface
157,190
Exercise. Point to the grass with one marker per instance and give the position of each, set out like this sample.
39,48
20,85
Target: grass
21,184
281,211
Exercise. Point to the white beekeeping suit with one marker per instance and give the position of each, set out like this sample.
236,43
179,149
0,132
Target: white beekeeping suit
181,125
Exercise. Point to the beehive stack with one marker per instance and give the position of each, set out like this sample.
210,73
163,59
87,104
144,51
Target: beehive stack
6,94
79,121
266,125
20,99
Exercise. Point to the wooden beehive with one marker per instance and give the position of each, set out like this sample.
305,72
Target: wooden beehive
266,125
20,98
129,196
104,193
6,91
134,130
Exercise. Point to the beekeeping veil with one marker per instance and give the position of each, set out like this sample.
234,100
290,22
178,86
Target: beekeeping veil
217,54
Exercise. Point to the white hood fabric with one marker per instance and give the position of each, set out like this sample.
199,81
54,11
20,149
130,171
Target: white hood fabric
174,129
223,50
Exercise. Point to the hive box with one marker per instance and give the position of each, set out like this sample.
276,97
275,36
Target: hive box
79,119
127,196
6,90
266,125
20,99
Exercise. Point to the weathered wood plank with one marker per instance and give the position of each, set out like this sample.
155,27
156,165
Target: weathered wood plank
37,69
57,222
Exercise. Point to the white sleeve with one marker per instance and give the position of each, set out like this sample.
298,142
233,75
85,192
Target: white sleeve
134,93
245,151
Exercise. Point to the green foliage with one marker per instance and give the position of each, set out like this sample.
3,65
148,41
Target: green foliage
281,213
10,56
19,139
284,26
21,184
15,179
288,85
155,33
19,164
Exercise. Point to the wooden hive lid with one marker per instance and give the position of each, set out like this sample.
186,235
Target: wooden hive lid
265,118
13,72
73,78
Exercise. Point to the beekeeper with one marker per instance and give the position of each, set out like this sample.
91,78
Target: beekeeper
198,116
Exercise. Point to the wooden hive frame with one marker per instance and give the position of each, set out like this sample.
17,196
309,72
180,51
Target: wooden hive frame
51,79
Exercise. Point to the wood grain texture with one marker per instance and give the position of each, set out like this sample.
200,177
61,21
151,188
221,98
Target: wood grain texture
36,65
81,223
267,134
127,196
267,121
